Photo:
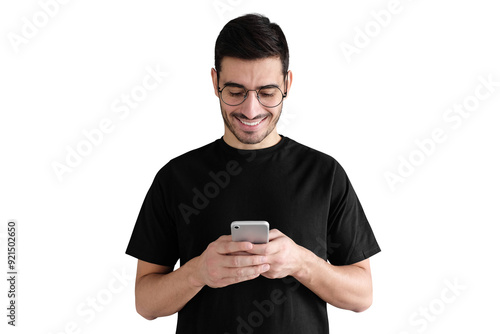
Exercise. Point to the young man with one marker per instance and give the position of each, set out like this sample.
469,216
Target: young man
320,239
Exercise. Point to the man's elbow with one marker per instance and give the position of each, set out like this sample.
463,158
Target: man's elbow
143,313
363,305
151,314
147,317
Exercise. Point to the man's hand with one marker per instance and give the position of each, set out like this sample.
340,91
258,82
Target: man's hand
348,287
283,254
219,265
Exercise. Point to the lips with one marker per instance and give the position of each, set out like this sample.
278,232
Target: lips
251,124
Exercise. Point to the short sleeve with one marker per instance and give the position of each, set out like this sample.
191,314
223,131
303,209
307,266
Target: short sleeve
350,237
154,237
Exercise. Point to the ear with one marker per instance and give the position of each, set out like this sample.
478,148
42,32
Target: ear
288,82
214,81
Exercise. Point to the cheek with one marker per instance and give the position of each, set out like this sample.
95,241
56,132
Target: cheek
230,110
275,113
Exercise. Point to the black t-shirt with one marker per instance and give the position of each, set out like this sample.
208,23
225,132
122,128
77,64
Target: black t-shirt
300,191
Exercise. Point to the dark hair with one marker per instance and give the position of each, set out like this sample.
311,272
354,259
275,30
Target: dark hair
250,37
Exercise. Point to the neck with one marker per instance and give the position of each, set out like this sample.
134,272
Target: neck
272,139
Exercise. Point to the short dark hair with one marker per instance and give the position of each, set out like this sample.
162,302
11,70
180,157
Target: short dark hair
251,37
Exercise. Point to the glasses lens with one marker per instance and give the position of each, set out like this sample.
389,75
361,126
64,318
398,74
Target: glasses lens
270,97
233,95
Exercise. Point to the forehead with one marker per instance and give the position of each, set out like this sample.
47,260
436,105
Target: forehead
251,73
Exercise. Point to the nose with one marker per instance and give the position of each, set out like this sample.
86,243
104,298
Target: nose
251,107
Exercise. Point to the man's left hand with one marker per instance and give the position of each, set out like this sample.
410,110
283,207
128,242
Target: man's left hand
283,255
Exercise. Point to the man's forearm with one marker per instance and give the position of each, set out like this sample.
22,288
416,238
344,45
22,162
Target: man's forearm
347,287
159,295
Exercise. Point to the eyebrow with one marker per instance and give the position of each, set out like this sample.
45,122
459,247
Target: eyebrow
235,84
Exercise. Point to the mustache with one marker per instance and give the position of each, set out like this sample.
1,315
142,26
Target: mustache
241,116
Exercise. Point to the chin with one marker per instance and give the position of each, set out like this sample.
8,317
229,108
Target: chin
251,139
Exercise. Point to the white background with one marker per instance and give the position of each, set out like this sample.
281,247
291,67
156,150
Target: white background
367,110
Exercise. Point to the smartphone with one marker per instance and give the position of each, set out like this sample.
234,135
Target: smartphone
255,231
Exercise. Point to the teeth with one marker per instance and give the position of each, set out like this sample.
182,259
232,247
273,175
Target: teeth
251,124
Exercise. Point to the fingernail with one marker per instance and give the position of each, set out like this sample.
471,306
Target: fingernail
266,267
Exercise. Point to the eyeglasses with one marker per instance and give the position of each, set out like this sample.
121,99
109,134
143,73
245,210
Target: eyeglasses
234,94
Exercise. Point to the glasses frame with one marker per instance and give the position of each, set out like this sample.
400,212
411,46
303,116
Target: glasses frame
283,95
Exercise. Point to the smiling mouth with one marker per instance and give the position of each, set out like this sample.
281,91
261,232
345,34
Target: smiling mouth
251,123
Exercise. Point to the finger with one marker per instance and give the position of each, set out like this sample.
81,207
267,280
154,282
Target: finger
235,275
233,280
225,238
238,261
244,272
272,247
228,247
275,233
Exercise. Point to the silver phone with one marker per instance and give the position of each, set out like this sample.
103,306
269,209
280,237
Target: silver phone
255,231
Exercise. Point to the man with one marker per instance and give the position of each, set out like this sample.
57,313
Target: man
320,239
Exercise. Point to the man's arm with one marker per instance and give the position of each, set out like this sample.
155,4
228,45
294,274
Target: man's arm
159,291
348,287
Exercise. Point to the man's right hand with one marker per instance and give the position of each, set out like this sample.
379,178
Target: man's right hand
222,264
